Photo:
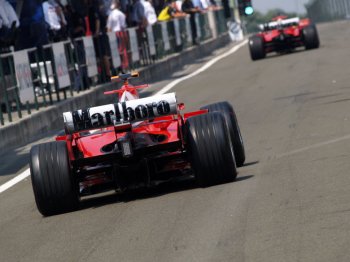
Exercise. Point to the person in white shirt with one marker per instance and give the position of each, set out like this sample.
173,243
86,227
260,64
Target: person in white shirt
116,21
150,13
178,4
7,15
8,26
55,19
205,4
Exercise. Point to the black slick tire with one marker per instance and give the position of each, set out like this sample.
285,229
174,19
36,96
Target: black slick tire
256,47
233,128
54,187
310,37
210,150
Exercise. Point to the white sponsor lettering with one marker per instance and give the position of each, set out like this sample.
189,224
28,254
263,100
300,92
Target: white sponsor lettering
119,113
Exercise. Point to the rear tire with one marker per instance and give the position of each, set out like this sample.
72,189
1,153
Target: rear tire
210,150
256,47
54,188
310,36
233,128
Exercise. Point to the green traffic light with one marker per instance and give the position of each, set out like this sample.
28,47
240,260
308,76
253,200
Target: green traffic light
249,10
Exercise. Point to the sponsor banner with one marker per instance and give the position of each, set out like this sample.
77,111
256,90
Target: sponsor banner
212,24
135,55
235,31
120,113
61,65
90,56
113,43
199,32
165,36
188,30
151,43
177,32
24,76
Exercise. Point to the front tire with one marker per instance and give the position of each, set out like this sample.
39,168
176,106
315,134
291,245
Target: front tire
54,188
210,154
256,48
310,36
233,128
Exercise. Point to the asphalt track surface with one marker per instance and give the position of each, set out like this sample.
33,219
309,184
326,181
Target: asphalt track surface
291,202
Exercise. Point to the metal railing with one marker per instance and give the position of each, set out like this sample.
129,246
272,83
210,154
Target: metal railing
58,71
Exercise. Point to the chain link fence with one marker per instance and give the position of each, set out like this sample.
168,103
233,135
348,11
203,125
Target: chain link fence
328,10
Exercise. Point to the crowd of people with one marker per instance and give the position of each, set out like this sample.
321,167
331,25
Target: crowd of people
34,23
28,24
31,23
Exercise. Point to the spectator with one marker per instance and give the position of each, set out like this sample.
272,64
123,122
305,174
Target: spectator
55,20
32,25
76,23
63,4
178,4
77,29
13,3
150,13
168,12
80,6
116,21
8,15
8,26
125,6
198,4
138,16
189,8
178,10
158,5
209,4
105,7
93,17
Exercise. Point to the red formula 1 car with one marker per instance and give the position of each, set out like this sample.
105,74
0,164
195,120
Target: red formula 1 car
134,142
283,35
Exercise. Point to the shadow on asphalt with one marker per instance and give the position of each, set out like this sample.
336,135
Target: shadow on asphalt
295,51
173,186
251,163
13,161
242,178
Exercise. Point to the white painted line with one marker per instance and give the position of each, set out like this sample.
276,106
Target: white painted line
15,180
165,89
294,152
202,69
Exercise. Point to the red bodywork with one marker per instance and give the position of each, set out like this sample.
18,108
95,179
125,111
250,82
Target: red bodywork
159,151
283,36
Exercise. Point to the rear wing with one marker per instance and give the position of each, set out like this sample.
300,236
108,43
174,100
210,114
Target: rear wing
280,23
120,113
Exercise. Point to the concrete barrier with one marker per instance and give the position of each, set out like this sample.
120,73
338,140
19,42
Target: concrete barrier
36,125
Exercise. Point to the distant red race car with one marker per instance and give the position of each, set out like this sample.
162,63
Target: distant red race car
283,35
134,142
